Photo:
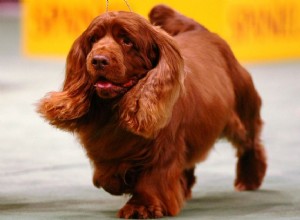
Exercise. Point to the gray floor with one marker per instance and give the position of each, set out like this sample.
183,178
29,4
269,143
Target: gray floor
44,173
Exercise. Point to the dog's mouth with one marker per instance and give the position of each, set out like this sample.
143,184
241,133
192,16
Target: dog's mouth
106,88
103,83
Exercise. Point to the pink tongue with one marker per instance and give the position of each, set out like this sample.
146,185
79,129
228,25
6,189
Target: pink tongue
103,85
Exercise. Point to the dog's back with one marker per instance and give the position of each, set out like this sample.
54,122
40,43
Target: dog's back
219,96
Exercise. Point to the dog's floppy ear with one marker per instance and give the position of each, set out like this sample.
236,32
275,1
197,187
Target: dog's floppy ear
148,106
63,108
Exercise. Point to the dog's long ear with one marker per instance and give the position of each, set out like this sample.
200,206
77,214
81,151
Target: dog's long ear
62,109
148,106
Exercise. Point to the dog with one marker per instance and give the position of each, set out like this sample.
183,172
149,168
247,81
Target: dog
148,100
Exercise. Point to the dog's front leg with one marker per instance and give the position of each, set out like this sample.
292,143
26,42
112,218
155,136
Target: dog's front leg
158,193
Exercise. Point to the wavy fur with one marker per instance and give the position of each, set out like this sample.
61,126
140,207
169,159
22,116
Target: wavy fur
147,103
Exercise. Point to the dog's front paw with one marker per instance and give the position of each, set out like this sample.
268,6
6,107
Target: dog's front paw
132,211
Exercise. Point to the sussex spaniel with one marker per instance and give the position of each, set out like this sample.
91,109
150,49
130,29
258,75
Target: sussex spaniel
149,102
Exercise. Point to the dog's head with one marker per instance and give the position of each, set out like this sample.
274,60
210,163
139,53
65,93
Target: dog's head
122,57
120,51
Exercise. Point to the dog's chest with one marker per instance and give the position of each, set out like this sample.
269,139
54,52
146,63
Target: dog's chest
110,142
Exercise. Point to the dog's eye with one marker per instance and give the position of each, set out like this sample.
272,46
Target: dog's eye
127,41
94,39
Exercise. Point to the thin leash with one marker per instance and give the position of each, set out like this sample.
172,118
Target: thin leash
128,6
126,2
107,3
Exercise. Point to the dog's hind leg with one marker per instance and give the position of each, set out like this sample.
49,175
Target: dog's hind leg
251,165
187,181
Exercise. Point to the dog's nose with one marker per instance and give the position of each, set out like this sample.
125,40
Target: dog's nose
100,62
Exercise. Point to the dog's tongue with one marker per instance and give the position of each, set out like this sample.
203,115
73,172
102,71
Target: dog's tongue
104,85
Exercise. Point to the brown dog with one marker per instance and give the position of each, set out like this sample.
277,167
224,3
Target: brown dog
148,106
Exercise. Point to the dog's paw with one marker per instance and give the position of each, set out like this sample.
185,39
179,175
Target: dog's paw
240,186
251,169
131,211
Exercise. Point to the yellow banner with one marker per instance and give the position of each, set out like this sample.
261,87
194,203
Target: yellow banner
256,30
263,30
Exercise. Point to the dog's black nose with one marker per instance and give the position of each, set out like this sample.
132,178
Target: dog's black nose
100,62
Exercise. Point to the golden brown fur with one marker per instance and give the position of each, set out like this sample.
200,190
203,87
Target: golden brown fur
148,106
